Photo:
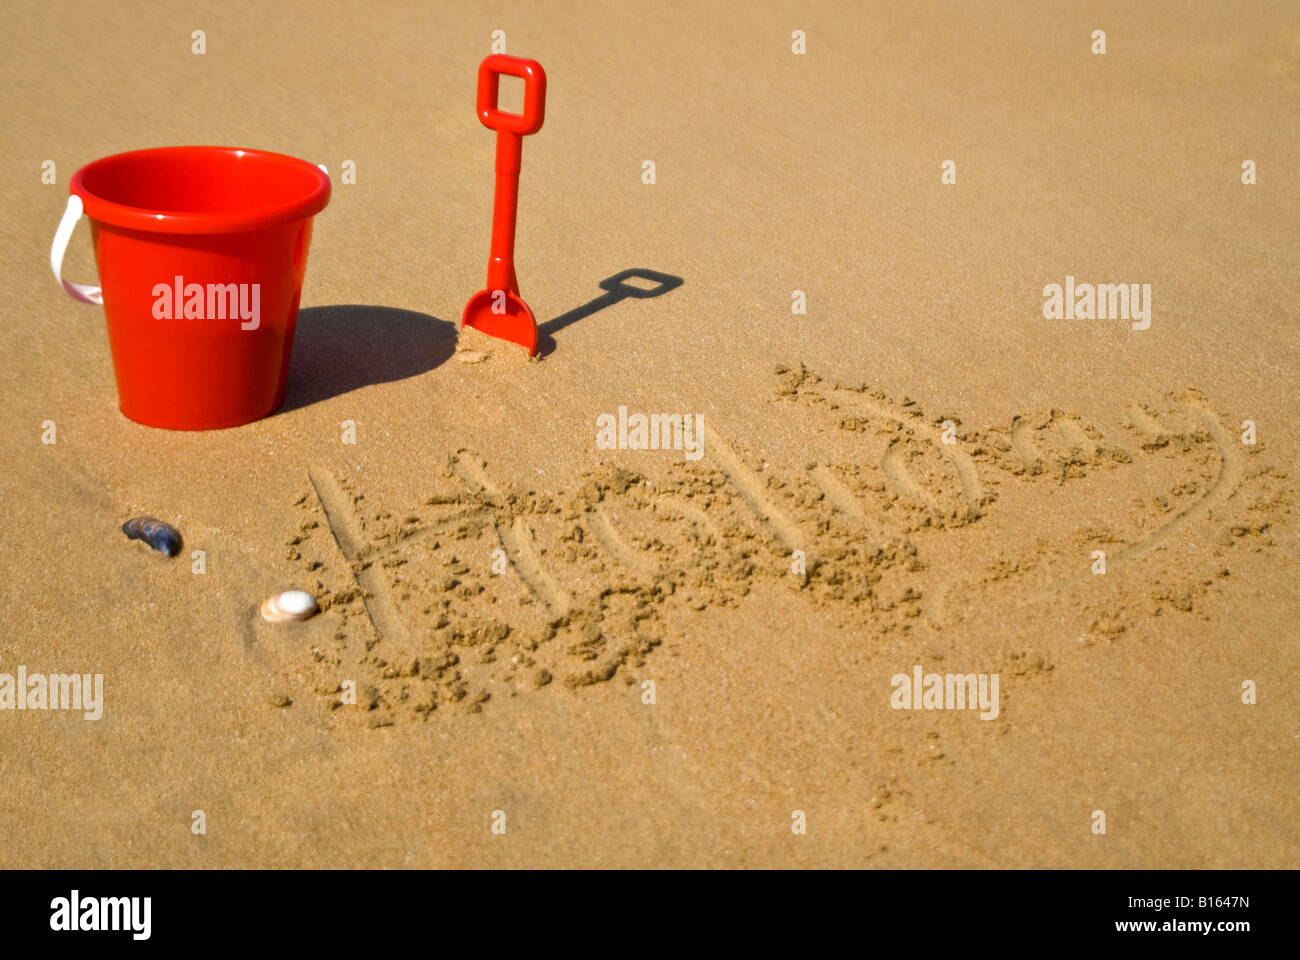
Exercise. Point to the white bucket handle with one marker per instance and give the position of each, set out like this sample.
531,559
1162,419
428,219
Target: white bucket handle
78,291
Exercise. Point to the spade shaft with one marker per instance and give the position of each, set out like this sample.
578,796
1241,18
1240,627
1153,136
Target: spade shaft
498,310
505,207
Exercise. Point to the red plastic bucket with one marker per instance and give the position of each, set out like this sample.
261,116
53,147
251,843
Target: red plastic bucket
201,253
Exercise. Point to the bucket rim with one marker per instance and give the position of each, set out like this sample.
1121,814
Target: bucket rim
200,222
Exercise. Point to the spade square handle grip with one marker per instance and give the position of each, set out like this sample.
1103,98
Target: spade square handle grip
489,82
619,286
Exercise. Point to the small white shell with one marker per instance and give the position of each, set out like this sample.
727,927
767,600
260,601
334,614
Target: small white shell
470,356
290,605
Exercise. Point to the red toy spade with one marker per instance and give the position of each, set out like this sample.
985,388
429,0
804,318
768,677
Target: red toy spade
499,311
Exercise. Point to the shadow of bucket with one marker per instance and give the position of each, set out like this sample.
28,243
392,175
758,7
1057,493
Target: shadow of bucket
201,253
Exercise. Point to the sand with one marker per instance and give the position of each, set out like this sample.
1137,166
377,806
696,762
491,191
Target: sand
533,651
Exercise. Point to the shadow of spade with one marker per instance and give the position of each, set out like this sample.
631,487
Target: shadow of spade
617,288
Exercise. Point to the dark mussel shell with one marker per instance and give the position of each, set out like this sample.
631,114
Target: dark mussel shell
163,537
